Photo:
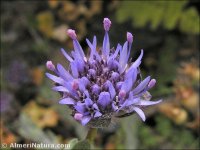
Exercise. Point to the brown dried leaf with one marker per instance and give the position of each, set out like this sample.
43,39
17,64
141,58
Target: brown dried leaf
7,137
191,70
37,75
195,125
191,102
42,117
68,12
60,34
53,3
174,112
45,23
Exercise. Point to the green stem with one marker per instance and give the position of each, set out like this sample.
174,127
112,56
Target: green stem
92,132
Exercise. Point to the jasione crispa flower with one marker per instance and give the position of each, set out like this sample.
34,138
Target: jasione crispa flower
104,84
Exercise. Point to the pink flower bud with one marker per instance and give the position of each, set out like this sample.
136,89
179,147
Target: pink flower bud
71,33
122,94
129,37
106,24
78,116
50,65
151,83
75,85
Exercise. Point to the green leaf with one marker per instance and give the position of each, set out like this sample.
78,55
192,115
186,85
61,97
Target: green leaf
73,142
168,14
82,145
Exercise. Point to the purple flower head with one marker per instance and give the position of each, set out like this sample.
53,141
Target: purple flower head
103,84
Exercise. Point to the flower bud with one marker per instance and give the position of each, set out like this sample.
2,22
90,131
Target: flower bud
129,37
75,85
72,34
106,24
151,83
122,94
78,116
50,65
95,89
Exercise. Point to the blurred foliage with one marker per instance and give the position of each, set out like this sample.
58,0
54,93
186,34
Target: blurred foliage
33,32
168,14
27,129
166,132
83,145
42,117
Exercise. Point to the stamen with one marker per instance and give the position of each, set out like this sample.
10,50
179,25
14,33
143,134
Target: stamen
152,83
122,94
72,34
50,65
129,37
75,85
78,116
106,24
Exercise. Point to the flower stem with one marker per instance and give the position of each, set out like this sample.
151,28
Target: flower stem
92,132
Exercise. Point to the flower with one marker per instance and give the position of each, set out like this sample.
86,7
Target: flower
102,85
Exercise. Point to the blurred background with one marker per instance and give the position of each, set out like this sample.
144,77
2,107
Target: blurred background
33,32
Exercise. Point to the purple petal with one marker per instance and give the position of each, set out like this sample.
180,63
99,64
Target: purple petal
60,89
77,56
97,114
119,47
127,85
79,61
55,78
66,55
68,101
115,76
64,73
114,107
132,73
95,89
80,108
111,89
130,78
104,99
95,106
85,81
137,62
129,102
90,45
141,86
78,48
87,93
92,72
119,85
88,102
123,57
68,85
85,120
106,46
93,49
80,65
140,113
113,64
147,103
74,69
81,86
